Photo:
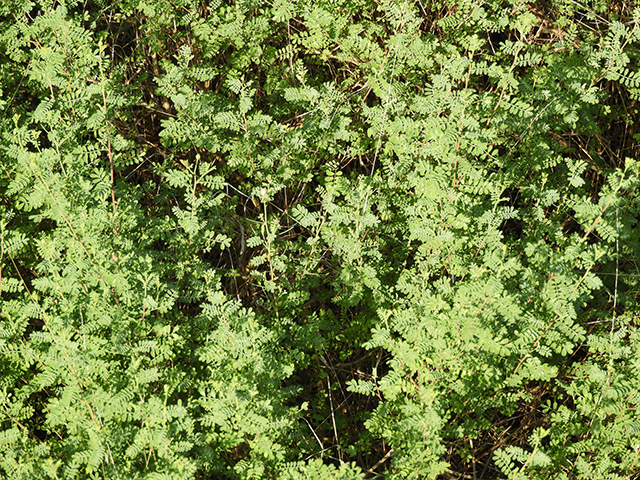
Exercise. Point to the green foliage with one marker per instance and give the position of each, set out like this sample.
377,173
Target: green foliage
328,239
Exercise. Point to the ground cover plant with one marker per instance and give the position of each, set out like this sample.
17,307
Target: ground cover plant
319,239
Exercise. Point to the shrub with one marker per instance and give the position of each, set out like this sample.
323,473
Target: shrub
329,239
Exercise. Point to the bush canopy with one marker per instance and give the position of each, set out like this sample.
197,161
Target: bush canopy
319,239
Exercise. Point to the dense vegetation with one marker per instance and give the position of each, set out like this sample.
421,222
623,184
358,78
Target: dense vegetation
319,239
